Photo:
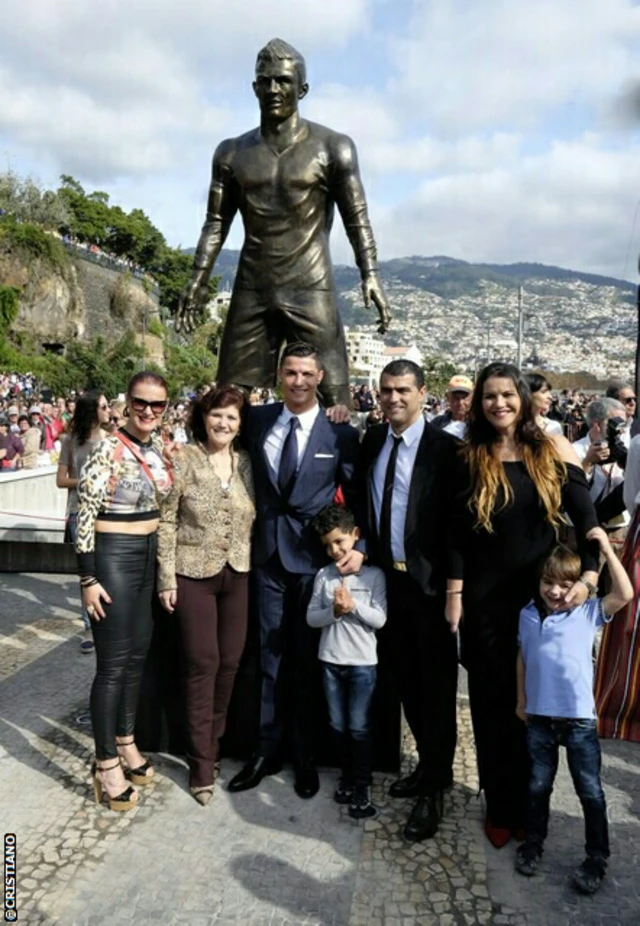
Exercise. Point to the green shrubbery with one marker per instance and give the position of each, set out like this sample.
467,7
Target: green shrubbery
32,241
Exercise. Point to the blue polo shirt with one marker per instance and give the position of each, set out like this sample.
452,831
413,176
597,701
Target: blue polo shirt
558,659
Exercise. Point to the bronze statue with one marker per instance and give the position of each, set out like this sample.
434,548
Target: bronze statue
285,178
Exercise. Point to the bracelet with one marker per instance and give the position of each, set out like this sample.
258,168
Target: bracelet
88,582
451,592
591,588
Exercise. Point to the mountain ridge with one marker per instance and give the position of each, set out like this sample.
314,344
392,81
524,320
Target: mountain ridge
468,313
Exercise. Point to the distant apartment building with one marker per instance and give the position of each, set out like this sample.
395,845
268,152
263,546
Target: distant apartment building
368,355
217,306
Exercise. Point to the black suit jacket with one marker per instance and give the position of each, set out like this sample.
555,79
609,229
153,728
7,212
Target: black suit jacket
430,503
329,461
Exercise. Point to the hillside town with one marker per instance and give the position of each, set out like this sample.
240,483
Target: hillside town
569,326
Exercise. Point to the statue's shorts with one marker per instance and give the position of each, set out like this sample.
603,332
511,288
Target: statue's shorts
259,324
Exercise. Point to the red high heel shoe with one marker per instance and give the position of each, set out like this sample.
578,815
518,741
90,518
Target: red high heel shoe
498,836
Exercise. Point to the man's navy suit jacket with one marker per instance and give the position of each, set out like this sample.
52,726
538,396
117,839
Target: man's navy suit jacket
328,462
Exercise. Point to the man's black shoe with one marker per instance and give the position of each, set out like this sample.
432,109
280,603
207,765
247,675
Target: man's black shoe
528,857
409,786
253,772
306,782
588,877
424,818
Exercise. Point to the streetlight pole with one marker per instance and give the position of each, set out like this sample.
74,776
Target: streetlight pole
144,336
520,328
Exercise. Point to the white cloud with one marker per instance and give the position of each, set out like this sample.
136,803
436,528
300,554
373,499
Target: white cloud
485,129
471,65
128,85
572,206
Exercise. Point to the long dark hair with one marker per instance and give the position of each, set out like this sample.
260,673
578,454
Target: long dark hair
85,416
544,465
537,381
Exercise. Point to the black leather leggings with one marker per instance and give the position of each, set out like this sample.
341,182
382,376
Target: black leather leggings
126,568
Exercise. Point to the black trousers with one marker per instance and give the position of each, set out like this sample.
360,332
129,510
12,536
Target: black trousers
423,655
289,664
126,569
489,651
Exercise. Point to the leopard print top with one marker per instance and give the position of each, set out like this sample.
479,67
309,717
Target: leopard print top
114,485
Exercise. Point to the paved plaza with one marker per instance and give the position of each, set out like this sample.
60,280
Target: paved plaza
263,857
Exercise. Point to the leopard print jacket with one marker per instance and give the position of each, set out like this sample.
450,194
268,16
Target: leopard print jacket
114,484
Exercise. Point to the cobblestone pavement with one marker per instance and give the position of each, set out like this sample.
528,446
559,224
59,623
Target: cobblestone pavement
262,858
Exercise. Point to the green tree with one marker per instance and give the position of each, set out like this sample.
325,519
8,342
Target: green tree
25,201
437,373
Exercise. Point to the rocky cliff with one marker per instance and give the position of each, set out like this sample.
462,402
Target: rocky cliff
76,298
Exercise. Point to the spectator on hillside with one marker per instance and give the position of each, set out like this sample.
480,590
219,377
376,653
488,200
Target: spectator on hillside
116,416
625,394
36,421
541,400
12,414
30,437
459,395
603,457
10,446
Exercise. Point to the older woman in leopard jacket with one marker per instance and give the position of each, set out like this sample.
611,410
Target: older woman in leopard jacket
204,544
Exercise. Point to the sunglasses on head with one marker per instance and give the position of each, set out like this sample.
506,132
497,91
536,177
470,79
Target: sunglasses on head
141,405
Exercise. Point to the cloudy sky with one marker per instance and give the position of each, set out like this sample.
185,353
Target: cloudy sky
496,130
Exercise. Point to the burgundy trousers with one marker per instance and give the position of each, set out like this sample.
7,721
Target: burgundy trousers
212,616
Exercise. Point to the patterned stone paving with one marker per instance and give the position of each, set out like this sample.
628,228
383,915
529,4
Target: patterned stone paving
263,858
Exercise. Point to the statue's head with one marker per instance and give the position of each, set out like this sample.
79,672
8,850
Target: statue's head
281,79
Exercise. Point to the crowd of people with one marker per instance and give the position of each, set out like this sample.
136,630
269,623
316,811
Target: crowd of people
484,518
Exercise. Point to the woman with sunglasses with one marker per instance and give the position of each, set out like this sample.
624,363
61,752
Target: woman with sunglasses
86,429
119,495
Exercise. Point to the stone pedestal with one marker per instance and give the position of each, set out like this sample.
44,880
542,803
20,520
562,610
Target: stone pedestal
160,724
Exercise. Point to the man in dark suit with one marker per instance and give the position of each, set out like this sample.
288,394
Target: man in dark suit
404,478
299,459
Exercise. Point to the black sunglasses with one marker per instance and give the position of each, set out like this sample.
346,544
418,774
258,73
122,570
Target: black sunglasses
629,399
140,405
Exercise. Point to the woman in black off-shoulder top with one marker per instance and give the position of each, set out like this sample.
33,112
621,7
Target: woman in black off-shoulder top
515,486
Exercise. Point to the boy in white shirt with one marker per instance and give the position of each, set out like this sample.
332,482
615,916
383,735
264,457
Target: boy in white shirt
349,609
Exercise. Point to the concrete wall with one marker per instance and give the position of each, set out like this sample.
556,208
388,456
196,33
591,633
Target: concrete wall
99,285
32,522
32,507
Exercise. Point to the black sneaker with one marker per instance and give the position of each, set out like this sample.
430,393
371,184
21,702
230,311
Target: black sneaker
361,806
87,646
588,877
344,792
528,857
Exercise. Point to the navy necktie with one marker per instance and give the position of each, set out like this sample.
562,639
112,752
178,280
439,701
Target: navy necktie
289,459
385,509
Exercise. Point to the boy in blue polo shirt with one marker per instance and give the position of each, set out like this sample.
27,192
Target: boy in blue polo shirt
555,700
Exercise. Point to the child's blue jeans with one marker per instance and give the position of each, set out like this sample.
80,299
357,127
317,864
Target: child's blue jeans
545,735
349,693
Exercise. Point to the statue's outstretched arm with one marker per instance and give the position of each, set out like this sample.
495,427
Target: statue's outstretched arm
222,206
352,205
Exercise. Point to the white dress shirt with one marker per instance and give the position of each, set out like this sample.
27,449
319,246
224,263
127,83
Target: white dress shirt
276,437
405,461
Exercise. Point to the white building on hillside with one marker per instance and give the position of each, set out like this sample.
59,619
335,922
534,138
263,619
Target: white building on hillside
366,355
410,352
217,306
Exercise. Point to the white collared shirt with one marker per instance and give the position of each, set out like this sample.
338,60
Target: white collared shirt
405,461
276,437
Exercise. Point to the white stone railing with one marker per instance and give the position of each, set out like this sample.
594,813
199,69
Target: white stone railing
32,507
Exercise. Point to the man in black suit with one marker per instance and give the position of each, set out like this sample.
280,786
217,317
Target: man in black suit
404,477
299,459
